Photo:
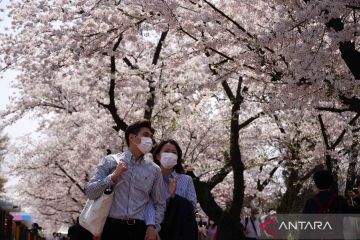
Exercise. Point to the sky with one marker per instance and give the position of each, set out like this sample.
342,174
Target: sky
25,125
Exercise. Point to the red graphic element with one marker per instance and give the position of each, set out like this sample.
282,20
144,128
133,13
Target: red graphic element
269,226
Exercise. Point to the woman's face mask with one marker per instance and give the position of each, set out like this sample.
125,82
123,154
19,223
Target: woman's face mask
168,160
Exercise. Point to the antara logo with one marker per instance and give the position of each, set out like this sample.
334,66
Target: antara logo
304,225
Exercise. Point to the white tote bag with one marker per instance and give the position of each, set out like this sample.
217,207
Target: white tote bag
95,212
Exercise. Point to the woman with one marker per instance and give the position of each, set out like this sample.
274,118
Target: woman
179,221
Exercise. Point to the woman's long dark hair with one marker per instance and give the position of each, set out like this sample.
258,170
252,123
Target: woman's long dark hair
178,167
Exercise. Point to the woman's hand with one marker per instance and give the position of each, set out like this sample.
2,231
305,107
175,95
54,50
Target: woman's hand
172,187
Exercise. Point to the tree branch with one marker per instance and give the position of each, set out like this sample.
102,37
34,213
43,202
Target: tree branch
219,176
111,107
250,120
307,175
341,136
228,18
353,103
323,132
129,64
260,186
228,91
278,123
71,178
331,109
159,47
221,54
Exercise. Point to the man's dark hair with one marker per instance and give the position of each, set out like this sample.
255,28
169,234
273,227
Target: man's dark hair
178,167
136,127
323,179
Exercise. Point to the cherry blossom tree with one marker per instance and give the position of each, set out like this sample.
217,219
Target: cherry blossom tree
3,149
239,84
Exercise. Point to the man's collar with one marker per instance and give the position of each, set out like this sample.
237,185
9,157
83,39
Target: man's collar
131,157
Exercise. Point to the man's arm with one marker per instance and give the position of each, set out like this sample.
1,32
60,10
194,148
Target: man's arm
158,198
101,180
151,230
150,213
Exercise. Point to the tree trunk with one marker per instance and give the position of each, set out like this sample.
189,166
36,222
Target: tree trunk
291,195
230,228
351,172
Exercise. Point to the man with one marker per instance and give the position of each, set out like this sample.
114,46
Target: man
135,180
354,196
325,202
251,225
77,232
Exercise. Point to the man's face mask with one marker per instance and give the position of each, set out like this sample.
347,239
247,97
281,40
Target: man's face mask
168,160
145,145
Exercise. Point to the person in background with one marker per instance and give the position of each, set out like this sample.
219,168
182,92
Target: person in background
36,230
77,232
211,230
325,201
251,225
56,236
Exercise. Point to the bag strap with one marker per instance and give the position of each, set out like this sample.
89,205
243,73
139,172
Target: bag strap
109,190
253,224
331,201
116,157
328,205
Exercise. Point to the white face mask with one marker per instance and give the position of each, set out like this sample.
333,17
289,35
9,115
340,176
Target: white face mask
145,145
168,160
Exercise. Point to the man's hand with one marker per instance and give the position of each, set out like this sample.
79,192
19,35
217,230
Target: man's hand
120,168
172,187
151,233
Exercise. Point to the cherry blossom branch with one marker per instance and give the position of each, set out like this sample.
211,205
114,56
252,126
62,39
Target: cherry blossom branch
323,132
353,103
260,186
150,102
332,109
250,120
129,64
228,91
219,176
39,196
111,107
353,7
307,175
191,137
341,136
159,47
71,178
328,159
278,123
228,18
